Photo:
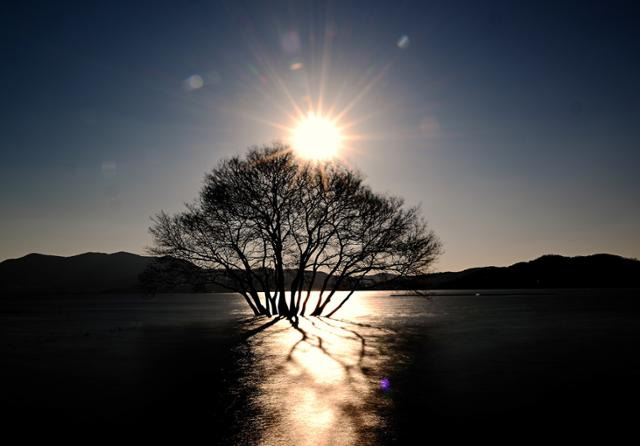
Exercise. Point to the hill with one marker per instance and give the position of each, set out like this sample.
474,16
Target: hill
38,274
548,271
84,273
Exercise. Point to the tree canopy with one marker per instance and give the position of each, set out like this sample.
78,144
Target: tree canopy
273,228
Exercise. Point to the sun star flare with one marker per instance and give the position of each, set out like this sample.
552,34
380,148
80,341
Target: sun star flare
316,138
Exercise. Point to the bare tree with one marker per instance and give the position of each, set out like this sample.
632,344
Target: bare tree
274,228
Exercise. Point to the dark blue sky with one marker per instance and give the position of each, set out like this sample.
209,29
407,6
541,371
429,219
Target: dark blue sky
516,125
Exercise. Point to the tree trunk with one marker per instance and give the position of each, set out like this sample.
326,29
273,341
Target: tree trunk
253,308
341,304
283,309
259,307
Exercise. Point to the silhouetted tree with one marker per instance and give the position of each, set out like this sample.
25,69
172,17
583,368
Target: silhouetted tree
273,228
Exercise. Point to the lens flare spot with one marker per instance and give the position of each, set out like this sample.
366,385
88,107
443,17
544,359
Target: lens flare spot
403,42
193,82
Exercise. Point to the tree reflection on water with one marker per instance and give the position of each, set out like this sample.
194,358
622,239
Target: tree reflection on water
317,381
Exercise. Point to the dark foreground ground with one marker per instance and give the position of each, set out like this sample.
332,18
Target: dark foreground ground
507,366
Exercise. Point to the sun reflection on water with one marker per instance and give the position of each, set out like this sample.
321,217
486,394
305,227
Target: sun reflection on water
318,381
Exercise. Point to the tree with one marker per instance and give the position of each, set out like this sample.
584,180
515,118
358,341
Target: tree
273,228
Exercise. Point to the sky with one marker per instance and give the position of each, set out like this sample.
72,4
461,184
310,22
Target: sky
515,125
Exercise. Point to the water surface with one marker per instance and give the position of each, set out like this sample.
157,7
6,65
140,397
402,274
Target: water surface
384,370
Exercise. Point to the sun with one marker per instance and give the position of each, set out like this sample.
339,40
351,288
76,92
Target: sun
316,138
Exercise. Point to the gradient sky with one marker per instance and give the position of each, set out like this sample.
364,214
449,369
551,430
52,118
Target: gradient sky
515,124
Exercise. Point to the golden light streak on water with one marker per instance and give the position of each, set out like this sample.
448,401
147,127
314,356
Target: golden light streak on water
318,383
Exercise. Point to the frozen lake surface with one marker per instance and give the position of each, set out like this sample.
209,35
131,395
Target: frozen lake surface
385,370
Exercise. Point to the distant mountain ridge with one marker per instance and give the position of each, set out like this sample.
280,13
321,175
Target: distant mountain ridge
119,273
548,271
90,272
